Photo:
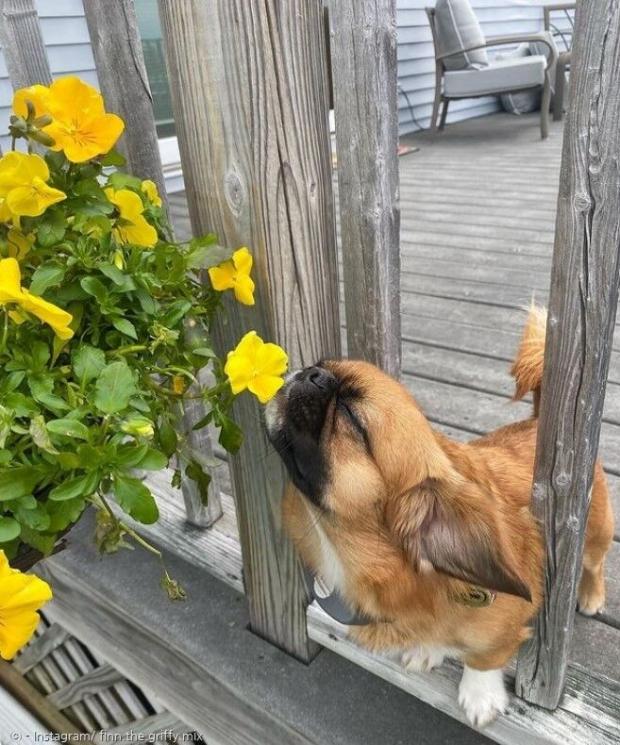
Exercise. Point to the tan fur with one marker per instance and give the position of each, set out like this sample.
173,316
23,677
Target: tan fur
383,511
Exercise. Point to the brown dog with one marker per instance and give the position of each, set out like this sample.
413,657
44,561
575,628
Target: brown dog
432,539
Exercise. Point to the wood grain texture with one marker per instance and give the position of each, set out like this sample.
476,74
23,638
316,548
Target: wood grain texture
582,309
26,694
22,44
94,681
364,66
249,93
40,647
116,46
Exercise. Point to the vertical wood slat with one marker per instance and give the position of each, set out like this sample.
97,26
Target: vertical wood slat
364,69
582,309
22,44
121,71
117,49
249,90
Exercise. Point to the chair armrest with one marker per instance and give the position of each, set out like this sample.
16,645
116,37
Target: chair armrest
495,41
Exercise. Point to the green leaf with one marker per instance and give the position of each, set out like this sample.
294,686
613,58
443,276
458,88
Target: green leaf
115,386
63,514
46,276
68,461
121,280
147,301
68,428
81,486
125,327
18,482
202,479
40,541
113,158
136,499
231,435
153,460
175,313
130,454
36,518
94,287
88,362
40,436
20,404
168,438
9,529
51,228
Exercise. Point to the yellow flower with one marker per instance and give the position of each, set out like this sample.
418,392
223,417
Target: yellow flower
235,275
132,226
38,95
12,293
80,126
21,596
19,244
150,189
257,366
23,185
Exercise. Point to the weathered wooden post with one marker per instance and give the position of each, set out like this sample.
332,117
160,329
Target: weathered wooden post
364,64
582,310
22,44
249,92
117,49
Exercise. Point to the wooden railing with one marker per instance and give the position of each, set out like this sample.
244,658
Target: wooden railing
250,93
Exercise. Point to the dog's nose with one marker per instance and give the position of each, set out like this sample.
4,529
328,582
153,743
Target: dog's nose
320,378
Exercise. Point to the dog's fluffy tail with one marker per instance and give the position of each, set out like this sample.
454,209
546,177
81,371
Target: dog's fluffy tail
527,369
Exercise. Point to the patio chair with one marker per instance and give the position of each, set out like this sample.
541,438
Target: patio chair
564,57
463,69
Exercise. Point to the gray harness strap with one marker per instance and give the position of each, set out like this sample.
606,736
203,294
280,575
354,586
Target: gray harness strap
334,604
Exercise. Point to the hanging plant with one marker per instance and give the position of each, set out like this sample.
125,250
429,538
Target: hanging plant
95,296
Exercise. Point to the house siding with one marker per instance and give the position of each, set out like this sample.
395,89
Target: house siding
416,64
67,40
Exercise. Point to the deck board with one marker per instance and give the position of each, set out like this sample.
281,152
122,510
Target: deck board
477,219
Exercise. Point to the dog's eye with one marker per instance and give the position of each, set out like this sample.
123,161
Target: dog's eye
353,419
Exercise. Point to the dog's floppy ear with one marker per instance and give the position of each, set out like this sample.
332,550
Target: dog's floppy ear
453,527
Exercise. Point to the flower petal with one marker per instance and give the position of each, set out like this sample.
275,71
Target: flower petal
271,360
37,94
244,290
265,387
56,317
10,281
242,259
223,276
239,372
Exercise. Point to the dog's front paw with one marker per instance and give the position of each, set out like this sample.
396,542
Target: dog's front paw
422,659
482,695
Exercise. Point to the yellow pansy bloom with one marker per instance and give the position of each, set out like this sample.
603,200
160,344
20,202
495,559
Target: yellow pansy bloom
257,366
12,294
132,226
23,185
37,94
150,189
21,596
80,127
235,275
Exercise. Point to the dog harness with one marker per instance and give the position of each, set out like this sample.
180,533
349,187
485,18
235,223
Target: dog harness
337,607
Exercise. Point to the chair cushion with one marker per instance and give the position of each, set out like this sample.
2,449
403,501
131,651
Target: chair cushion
499,77
457,28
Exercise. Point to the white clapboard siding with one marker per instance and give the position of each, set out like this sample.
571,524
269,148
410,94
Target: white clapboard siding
416,66
68,49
